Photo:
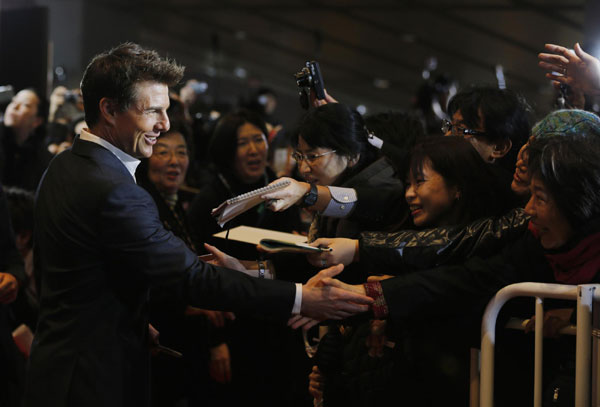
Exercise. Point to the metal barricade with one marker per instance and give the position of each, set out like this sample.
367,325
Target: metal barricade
584,295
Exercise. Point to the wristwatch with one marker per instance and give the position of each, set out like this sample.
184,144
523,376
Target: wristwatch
311,197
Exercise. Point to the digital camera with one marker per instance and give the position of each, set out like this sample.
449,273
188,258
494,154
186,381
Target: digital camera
72,96
310,78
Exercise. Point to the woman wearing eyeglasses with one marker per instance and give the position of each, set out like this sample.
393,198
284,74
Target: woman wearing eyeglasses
332,149
334,156
560,245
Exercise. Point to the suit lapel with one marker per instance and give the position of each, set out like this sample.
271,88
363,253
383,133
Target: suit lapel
99,154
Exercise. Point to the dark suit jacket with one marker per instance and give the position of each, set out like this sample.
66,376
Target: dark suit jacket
100,244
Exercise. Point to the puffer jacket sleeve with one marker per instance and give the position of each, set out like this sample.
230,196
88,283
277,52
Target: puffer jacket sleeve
408,250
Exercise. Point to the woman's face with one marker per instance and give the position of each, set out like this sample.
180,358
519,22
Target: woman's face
521,180
429,198
251,155
323,170
169,163
553,229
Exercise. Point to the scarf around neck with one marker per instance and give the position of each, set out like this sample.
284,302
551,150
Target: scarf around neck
575,263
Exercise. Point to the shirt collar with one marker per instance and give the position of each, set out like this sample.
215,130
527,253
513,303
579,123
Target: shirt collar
131,163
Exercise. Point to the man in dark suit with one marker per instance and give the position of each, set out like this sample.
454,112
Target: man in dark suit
100,244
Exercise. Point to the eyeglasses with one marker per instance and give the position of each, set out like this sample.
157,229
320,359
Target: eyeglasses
309,158
447,126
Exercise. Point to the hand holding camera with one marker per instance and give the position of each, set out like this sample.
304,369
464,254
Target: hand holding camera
310,85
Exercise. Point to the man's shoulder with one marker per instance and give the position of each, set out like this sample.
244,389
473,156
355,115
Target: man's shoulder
84,178
89,160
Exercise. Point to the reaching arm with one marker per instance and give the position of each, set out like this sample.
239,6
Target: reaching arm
449,290
410,249
575,68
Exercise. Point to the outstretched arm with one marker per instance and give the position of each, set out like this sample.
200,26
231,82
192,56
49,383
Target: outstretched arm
576,68
419,249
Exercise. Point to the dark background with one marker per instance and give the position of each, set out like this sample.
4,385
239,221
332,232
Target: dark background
373,53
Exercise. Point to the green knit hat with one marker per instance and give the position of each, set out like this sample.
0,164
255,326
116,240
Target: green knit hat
567,122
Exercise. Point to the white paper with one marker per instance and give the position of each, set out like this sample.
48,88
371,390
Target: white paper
248,234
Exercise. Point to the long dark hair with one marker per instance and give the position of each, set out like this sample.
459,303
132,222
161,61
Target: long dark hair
338,127
461,166
223,144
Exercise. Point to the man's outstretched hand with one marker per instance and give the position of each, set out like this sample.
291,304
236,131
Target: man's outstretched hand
322,300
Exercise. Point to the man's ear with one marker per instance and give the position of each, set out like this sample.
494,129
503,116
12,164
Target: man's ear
501,149
108,109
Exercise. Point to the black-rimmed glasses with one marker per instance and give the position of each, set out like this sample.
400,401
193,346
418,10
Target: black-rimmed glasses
447,126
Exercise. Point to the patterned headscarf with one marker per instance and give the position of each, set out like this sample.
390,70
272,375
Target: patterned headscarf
567,122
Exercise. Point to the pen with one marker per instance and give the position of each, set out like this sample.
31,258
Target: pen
169,351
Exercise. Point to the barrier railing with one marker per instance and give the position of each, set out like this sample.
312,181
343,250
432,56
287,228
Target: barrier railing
585,295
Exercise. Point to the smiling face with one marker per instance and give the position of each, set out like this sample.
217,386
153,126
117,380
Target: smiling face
553,229
169,163
21,112
137,128
323,170
251,154
429,198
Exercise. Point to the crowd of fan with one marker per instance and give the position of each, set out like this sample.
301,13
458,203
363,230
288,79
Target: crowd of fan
436,224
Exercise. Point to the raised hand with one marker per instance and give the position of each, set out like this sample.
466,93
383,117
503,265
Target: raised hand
576,68
320,102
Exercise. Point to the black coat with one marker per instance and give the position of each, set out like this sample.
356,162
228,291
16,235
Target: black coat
407,250
99,245
22,165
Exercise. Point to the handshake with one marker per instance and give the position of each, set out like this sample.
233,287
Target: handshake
323,297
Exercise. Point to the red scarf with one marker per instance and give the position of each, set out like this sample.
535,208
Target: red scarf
579,264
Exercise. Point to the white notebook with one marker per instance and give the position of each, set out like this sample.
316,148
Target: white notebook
241,203
271,241
252,235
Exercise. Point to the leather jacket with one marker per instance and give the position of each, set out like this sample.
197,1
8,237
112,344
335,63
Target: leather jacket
406,250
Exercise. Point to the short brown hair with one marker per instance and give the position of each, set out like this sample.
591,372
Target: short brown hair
114,74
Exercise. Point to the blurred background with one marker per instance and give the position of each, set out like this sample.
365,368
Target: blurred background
376,55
